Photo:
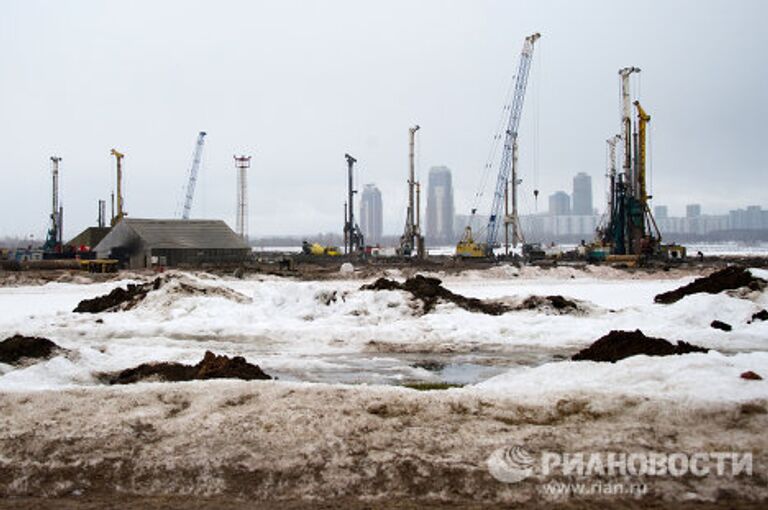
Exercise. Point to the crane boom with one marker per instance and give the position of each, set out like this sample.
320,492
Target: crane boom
198,156
521,81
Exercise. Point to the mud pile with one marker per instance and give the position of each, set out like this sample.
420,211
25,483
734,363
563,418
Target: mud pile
618,345
119,299
557,304
174,286
210,367
723,326
430,291
18,348
732,277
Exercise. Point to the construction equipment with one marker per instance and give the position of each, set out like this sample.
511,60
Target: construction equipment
318,250
53,240
467,247
353,236
101,221
509,153
511,218
631,229
120,211
196,158
412,241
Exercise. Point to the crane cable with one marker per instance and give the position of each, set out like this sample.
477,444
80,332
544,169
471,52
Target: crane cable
494,149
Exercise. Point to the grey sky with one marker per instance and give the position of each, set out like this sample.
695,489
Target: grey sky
296,84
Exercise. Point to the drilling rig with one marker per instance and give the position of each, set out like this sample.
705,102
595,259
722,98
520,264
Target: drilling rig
120,212
412,241
631,229
467,247
353,236
54,238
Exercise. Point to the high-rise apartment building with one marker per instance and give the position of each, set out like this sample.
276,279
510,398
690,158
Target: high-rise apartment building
559,203
440,209
582,195
371,214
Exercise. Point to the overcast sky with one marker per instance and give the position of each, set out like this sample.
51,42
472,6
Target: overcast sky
296,84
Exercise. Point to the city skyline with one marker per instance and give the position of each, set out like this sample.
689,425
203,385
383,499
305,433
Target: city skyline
263,69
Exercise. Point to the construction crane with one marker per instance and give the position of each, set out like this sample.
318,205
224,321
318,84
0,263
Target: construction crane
120,212
466,245
412,240
54,238
196,158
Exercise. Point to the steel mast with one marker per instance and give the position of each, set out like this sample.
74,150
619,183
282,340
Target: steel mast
120,212
411,239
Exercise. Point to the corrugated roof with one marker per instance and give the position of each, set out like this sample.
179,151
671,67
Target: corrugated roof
194,234
91,236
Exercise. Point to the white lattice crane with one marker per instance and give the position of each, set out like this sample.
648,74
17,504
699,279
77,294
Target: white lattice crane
193,170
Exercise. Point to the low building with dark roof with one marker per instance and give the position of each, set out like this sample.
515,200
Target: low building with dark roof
139,243
89,238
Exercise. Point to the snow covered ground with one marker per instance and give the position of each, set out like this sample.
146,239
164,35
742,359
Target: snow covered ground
330,331
311,437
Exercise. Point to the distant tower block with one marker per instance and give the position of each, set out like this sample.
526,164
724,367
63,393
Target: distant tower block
242,163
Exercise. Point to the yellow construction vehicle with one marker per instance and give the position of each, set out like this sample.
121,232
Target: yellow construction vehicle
467,247
318,250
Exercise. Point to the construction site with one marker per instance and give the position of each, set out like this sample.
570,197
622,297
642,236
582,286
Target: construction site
450,345
628,234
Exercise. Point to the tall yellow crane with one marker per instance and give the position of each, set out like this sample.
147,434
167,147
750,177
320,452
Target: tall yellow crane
120,213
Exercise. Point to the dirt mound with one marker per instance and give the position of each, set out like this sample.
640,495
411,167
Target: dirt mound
751,376
210,367
762,315
723,326
17,348
618,345
430,291
119,299
732,277
557,303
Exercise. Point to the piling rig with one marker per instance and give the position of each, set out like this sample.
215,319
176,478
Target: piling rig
631,229
412,241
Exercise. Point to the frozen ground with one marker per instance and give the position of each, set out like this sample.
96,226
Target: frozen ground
330,331
294,439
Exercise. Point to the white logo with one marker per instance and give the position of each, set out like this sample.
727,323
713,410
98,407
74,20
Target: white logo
510,465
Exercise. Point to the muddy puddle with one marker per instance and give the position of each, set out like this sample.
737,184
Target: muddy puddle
404,368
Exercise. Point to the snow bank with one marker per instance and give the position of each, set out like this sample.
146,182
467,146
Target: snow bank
693,377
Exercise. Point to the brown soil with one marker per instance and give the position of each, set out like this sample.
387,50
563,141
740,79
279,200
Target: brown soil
17,348
723,326
196,502
430,291
119,299
618,345
210,367
751,376
732,277
558,303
